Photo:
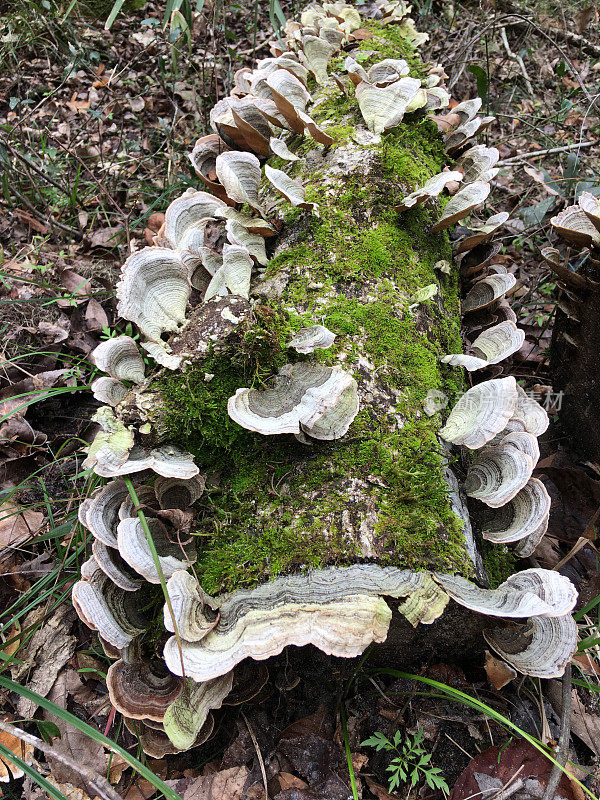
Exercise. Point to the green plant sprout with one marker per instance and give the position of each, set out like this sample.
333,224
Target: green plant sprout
412,762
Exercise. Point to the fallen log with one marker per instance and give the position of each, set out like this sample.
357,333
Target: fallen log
294,422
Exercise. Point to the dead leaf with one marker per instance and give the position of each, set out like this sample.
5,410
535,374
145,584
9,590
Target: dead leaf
494,769
586,663
585,725
318,723
95,316
137,104
228,784
156,221
584,17
75,284
17,524
499,672
106,237
288,781
77,105
31,221
8,770
53,333
380,791
539,177
74,744
45,654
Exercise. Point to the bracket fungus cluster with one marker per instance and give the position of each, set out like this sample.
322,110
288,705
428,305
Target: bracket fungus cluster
197,285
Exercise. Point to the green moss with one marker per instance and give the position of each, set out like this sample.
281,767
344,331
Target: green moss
499,562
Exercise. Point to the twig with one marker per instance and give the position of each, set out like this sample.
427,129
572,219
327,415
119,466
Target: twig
562,751
522,157
95,784
261,762
518,59
579,545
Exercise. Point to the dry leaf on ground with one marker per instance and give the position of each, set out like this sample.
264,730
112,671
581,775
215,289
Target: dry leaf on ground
228,784
24,751
17,524
45,654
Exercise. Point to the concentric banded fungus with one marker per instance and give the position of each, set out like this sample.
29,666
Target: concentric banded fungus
430,189
239,174
490,347
142,689
497,474
204,159
487,291
316,337
120,358
104,607
337,609
499,342
154,740
109,391
317,53
384,108
153,291
474,235
289,188
233,275
590,205
461,205
167,460
110,562
574,225
531,593
111,446
186,717
530,413
477,161
524,517
194,611
135,549
280,148
387,71
481,413
99,513
320,401
542,647
177,493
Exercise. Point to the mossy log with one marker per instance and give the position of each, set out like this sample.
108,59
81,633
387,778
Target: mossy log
276,505
313,480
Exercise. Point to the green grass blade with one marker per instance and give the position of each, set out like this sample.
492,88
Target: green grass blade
348,752
113,14
93,734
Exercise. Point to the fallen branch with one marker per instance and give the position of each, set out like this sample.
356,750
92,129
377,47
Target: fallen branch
523,157
516,57
96,785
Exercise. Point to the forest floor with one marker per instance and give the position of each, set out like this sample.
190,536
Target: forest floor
95,127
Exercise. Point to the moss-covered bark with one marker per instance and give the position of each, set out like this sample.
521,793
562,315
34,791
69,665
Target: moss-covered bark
274,504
